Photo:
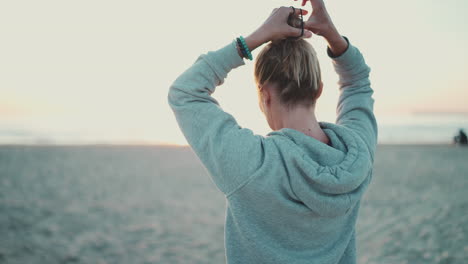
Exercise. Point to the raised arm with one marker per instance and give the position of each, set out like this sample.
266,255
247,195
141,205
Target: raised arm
230,153
213,134
355,103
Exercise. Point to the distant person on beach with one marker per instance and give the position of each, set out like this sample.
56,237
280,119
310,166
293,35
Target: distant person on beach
461,138
293,195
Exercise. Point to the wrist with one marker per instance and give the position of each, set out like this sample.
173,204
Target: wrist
336,43
332,34
256,39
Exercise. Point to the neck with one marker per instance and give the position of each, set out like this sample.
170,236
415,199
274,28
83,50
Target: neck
301,119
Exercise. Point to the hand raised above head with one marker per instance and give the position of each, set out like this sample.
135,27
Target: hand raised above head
319,21
321,24
276,26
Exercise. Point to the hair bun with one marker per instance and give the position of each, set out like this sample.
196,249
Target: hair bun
294,21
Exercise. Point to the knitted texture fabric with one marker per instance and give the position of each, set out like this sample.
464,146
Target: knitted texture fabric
290,198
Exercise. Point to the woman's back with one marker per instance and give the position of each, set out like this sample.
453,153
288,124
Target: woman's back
302,203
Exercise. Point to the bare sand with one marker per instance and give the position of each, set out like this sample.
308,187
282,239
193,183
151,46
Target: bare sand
416,209
148,204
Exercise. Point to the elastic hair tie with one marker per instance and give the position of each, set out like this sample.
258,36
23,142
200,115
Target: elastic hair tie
294,9
302,22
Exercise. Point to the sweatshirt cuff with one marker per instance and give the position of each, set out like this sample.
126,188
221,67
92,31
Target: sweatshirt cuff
225,59
347,58
330,53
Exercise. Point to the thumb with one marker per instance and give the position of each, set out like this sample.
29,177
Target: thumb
314,27
296,32
311,24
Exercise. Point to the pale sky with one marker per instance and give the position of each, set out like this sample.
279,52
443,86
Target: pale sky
100,70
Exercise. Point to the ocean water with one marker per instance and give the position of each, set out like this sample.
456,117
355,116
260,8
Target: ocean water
148,204
429,128
407,128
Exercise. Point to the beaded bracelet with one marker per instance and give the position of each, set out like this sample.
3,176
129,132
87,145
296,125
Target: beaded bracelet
244,48
241,48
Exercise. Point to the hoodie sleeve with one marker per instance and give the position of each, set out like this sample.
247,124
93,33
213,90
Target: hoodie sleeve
355,103
230,153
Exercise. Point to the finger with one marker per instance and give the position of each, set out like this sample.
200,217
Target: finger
307,34
310,24
316,4
295,32
303,11
298,11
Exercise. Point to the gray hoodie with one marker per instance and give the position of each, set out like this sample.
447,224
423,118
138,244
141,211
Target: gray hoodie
290,198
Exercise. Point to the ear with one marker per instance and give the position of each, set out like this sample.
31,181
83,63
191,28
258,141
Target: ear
266,96
261,97
319,91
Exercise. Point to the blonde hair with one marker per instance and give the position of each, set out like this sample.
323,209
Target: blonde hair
291,65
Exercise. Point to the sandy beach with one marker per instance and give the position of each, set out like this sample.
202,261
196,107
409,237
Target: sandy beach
152,204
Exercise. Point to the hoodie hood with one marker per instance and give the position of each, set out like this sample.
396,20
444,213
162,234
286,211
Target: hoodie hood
328,179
